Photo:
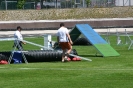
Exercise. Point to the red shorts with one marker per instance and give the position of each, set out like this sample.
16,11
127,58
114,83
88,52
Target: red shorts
65,45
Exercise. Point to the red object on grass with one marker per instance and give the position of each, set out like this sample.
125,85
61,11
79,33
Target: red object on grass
69,59
78,59
74,59
3,62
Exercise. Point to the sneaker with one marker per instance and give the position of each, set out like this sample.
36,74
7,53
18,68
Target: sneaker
66,58
62,60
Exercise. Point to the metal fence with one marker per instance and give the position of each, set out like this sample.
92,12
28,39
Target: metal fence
12,5
47,4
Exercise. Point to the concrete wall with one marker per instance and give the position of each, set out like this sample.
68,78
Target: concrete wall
51,18
54,24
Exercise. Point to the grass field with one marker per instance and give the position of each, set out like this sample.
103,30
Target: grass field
102,72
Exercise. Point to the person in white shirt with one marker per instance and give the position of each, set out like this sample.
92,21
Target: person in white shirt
64,41
19,39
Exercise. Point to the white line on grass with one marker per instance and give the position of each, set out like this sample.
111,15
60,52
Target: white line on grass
2,67
72,69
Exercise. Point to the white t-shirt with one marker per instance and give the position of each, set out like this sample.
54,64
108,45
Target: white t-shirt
18,35
62,34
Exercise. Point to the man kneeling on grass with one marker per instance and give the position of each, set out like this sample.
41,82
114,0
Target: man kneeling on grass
64,41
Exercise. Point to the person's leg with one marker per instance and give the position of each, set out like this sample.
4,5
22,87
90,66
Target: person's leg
64,50
63,55
69,49
19,46
13,45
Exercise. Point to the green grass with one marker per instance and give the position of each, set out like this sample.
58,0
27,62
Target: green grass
102,72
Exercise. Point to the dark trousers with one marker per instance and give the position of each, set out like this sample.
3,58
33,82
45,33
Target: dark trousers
18,45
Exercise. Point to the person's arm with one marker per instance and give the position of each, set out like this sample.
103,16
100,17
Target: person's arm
20,37
69,38
23,42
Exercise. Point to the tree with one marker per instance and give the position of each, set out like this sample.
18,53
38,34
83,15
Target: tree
20,4
88,2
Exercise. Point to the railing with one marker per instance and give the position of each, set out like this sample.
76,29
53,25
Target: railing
47,4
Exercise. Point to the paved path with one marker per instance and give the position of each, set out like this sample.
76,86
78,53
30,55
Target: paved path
34,33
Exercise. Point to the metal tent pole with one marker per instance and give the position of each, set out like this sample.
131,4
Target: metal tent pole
6,4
